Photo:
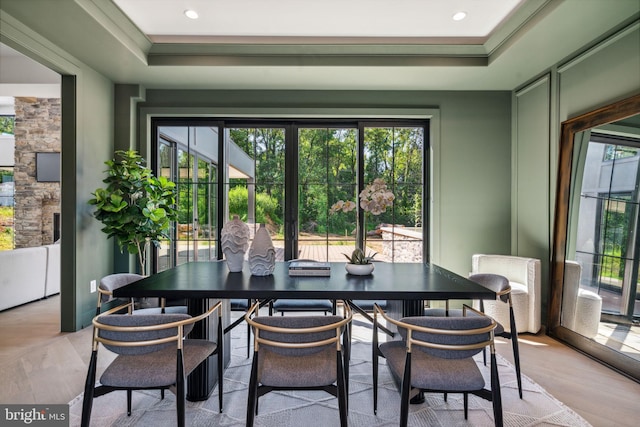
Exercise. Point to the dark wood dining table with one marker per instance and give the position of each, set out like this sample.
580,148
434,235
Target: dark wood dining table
405,285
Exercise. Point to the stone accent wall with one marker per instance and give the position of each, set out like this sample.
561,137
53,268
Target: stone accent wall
37,129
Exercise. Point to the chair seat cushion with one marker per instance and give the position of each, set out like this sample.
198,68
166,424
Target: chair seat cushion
134,370
367,304
302,305
172,309
239,304
433,373
457,312
278,370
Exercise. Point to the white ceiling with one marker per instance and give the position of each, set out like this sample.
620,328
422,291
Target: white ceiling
316,44
317,18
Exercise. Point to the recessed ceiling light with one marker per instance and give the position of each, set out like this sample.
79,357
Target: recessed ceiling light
459,16
191,14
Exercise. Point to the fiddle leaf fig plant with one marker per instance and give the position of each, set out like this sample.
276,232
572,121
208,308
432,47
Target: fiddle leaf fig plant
135,207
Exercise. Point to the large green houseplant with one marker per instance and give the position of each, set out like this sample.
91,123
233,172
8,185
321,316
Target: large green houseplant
136,207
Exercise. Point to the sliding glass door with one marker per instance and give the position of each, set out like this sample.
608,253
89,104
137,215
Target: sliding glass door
255,185
335,166
187,155
289,176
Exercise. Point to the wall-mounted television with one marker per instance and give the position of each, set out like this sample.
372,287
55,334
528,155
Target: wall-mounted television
48,167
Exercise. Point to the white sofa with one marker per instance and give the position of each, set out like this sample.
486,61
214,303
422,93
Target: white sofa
29,274
524,278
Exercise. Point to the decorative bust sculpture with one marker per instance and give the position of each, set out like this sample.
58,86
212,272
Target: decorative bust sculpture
234,240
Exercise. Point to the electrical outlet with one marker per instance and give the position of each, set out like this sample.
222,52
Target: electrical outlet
93,285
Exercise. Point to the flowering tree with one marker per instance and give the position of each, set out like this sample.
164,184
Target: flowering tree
374,199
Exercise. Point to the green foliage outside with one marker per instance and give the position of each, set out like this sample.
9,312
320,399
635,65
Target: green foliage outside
6,228
267,207
327,172
7,124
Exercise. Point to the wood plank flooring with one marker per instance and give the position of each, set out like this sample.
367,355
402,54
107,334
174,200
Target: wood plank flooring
39,364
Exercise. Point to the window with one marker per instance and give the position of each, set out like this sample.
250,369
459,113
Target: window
287,175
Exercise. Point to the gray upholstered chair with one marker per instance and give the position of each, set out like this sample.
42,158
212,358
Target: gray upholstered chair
500,285
110,283
285,305
299,353
239,304
152,353
435,354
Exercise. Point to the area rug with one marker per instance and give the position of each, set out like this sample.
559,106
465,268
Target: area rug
319,409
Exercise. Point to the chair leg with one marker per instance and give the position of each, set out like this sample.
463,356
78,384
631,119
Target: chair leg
346,345
220,351
406,389
180,390
496,397
87,401
248,341
374,360
342,391
465,399
516,351
252,400
129,397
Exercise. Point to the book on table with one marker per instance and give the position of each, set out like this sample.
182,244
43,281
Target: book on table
309,268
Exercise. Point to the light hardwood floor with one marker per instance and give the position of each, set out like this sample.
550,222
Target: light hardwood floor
39,364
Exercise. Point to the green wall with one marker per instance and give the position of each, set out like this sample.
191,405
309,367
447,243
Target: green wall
470,151
599,75
494,153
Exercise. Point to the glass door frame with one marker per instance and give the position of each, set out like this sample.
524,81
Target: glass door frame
291,127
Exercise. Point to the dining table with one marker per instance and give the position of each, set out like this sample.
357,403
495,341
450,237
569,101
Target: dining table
406,287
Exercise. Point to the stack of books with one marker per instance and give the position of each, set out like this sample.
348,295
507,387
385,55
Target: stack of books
309,268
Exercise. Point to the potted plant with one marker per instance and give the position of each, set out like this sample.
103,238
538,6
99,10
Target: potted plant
136,207
359,263
375,198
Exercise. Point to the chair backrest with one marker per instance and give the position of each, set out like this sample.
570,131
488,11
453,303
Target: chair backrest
297,335
448,337
142,334
495,282
110,283
516,269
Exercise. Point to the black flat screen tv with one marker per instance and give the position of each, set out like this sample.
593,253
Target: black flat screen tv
48,167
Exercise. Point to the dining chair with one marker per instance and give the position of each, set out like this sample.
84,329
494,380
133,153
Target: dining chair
240,304
152,353
111,282
500,285
284,305
436,354
299,353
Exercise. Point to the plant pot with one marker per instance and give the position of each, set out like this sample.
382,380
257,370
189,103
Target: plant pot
359,269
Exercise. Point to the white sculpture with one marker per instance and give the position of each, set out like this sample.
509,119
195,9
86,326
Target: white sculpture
234,240
262,254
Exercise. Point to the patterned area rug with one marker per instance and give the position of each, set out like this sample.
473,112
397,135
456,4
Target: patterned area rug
319,409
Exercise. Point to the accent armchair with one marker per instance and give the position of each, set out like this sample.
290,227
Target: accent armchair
524,276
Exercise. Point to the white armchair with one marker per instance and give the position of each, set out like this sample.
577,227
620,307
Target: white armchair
524,278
